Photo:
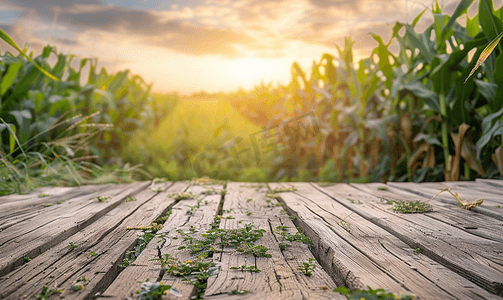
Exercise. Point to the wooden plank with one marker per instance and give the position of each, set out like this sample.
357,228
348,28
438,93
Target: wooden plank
144,268
472,257
20,210
403,268
487,208
493,182
107,237
55,191
279,277
32,237
494,190
467,191
452,215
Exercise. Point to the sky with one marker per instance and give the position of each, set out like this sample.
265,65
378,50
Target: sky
211,45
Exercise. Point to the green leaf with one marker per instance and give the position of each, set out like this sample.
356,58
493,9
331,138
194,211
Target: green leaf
488,121
460,10
430,98
491,25
9,78
416,19
487,89
4,36
342,290
496,130
416,42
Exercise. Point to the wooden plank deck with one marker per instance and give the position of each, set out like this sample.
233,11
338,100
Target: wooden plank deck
250,241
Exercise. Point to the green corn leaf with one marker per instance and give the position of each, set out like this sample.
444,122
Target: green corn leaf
485,54
9,78
4,36
460,10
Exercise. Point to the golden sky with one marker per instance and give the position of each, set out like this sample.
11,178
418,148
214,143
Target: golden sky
211,45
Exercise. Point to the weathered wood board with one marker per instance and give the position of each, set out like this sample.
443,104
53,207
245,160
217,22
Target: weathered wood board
489,206
475,258
245,205
371,255
356,240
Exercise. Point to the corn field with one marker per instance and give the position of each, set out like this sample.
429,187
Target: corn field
405,116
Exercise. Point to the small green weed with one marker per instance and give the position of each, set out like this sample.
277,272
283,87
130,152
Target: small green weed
77,287
195,272
382,188
282,246
46,293
152,290
408,207
249,200
297,237
48,204
378,294
72,246
182,196
307,267
141,244
255,250
282,190
498,206
417,250
101,198
42,195
26,259
129,199
243,268
238,292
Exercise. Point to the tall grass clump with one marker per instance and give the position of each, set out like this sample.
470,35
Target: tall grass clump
53,130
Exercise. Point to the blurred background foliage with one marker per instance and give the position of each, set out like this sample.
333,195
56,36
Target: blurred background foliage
404,116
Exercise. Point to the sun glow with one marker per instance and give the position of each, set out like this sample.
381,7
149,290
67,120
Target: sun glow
254,70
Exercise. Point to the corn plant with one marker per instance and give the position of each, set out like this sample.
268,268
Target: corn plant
415,115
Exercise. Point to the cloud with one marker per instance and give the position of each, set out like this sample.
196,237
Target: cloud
66,41
163,30
261,28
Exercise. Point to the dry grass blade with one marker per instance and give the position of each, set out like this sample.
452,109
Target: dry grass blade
463,204
485,54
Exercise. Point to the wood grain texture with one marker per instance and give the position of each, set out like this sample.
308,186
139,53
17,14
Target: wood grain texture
107,237
477,259
428,190
279,275
450,214
356,239
126,284
17,211
406,270
32,237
